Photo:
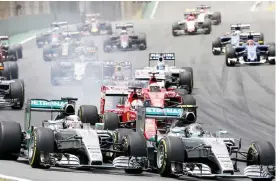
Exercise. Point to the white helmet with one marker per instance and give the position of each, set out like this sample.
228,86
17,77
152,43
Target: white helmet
136,103
237,32
55,29
160,66
73,121
154,87
123,32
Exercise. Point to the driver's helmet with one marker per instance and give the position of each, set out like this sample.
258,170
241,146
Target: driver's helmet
194,130
160,66
191,16
93,19
82,58
73,121
250,42
154,87
69,109
56,29
124,32
202,10
67,39
136,103
237,32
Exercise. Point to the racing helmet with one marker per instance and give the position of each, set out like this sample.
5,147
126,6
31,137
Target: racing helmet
67,39
93,19
118,69
237,32
73,121
69,109
202,10
55,29
194,130
124,32
136,103
160,66
154,87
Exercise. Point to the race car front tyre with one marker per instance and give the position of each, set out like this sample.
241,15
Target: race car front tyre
190,69
170,150
10,70
216,44
175,26
17,91
119,134
10,140
185,80
42,142
143,42
88,114
134,145
261,153
111,121
207,26
217,18
229,53
47,50
13,53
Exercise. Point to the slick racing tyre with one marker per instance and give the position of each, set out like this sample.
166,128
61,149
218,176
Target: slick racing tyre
39,38
175,26
47,50
229,53
190,69
207,26
216,18
185,80
170,150
10,140
142,41
271,53
216,44
13,53
119,134
10,70
108,28
134,145
19,51
88,114
42,141
17,91
111,121
261,153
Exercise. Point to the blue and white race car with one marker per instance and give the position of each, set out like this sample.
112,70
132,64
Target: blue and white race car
250,53
238,35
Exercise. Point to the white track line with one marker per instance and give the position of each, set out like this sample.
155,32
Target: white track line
27,39
13,178
254,6
154,10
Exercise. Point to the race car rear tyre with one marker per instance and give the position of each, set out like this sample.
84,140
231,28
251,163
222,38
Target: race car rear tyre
170,149
39,38
216,44
88,114
134,145
47,50
119,134
17,91
207,25
143,42
10,70
12,53
190,69
229,53
175,26
10,140
111,121
185,80
217,17
42,141
261,153
271,53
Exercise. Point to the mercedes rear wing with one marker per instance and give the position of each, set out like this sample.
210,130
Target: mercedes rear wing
115,90
240,27
203,6
124,26
170,57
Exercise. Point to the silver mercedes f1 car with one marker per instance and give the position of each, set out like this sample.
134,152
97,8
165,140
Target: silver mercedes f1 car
67,141
188,150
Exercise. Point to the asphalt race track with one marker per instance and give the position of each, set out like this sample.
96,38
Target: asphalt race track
237,99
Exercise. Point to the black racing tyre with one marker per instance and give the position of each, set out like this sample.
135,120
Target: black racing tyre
42,140
143,40
190,100
119,134
39,38
170,149
108,28
111,121
134,145
55,73
12,53
105,44
190,69
10,140
271,53
10,70
261,38
217,18
207,25
17,91
185,80
19,51
216,43
261,153
229,53
47,50
88,114
175,26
